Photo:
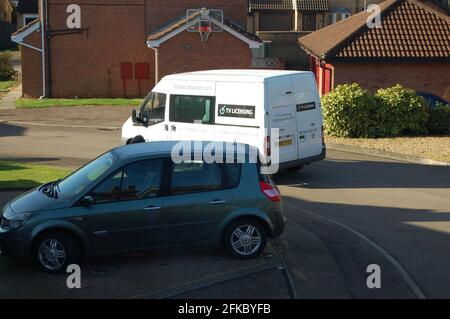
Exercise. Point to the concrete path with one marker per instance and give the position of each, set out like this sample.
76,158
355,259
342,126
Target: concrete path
8,101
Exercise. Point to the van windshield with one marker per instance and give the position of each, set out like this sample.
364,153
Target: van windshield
153,108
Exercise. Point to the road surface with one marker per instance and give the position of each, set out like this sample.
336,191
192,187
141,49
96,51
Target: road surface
344,214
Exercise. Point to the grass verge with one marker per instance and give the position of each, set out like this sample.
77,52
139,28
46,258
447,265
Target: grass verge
5,85
14,175
35,103
428,147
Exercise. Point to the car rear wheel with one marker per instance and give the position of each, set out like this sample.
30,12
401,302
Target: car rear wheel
245,239
53,252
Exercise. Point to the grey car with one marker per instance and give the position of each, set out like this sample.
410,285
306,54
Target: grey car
136,197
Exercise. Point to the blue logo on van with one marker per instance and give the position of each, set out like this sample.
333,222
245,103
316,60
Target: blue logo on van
243,111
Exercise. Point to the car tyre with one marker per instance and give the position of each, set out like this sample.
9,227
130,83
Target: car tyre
295,169
245,238
54,251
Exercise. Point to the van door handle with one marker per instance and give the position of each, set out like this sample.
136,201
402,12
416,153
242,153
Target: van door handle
217,202
152,208
166,127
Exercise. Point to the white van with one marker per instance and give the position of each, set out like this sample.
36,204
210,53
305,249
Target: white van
236,106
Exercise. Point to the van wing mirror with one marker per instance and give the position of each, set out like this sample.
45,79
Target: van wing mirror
134,116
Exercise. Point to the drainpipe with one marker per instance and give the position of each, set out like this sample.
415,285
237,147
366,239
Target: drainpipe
43,30
155,49
294,5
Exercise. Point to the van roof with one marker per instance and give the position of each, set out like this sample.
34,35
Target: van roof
251,75
127,152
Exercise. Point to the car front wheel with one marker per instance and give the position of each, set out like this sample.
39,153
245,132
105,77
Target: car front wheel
53,252
245,239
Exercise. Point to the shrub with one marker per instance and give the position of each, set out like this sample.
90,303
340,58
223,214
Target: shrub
406,112
439,121
7,72
350,111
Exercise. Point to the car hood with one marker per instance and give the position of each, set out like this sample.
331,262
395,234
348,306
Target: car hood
34,201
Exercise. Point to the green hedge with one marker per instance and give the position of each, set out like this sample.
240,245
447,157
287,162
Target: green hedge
439,122
350,111
405,112
7,72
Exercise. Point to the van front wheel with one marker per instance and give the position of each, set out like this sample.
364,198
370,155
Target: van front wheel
295,169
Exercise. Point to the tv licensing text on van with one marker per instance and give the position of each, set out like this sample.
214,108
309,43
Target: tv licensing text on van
236,106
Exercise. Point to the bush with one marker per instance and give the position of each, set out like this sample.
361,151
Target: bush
439,121
406,113
7,72
350,111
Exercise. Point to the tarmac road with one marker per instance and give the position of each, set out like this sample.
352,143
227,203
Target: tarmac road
345,213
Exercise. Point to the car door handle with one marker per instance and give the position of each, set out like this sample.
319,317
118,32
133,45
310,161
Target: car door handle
152,208
217,202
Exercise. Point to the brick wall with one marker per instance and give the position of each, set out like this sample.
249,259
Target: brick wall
31,67
427,77
186,52
115,31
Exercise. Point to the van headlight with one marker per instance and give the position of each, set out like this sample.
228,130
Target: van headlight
14,221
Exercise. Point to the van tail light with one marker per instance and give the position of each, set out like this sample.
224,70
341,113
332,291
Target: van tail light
267,147
323,136
270,191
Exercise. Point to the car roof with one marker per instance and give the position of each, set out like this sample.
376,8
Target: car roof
236,75
137,150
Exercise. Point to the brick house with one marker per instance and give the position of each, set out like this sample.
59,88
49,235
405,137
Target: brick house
411,47
101,48
26,12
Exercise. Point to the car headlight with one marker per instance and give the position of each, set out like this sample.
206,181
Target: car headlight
14,221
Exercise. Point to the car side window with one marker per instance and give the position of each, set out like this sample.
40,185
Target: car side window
195,177
135,181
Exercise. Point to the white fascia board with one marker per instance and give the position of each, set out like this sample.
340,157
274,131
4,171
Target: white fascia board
251,43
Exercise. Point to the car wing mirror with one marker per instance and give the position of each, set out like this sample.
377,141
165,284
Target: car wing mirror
87,200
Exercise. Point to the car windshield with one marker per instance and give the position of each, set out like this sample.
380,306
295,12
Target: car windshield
77,182
153,108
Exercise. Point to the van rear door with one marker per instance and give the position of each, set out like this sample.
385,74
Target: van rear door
308,115
282,116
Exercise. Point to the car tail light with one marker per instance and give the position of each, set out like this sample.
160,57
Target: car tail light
271,192
267,146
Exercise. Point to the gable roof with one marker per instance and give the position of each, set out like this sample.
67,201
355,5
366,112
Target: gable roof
302,5
409,29
180,24
27,6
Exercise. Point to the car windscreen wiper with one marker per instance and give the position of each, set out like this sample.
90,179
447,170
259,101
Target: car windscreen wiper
50,189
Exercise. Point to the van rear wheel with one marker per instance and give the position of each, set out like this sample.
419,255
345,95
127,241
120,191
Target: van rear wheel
295,169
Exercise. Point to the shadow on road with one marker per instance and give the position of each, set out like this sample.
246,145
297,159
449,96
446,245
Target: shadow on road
337,174
11,130
418,238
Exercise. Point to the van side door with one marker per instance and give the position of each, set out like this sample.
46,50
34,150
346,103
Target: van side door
191,117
